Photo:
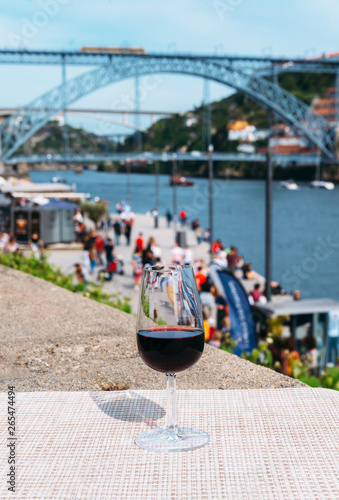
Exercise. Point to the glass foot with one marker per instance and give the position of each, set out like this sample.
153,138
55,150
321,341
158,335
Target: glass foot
177,439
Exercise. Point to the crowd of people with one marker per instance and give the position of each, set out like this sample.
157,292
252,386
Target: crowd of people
99,249
99,246
9,244
217,322
216,314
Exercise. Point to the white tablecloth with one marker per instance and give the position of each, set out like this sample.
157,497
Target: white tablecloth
265,444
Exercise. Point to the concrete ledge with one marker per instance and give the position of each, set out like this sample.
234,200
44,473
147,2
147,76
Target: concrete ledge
59,246
53,339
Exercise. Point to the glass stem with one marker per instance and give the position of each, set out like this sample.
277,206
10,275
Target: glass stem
171,401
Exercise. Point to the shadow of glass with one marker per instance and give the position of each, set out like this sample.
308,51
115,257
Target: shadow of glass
128,407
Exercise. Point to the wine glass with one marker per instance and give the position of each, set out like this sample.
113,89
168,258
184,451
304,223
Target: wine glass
170,336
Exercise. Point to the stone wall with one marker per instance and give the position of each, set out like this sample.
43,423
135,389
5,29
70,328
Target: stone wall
53,339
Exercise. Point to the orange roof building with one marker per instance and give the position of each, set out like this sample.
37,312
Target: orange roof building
328,107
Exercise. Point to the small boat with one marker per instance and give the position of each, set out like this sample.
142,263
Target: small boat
179,180
289,184
322,185
58,179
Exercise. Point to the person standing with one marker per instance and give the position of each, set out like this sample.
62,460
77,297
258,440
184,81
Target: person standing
108,222
86,256
232,259
4,239
78,218
216,245
311,355
188,256
256,293
156,250
92,257
222,308
169,218
148,257
100,248
207,235
183,217
137,267
289,355
81,274
36,245
128,230
139,242
117,231
11,246
109,247
177,254
200,277
198,234
223,255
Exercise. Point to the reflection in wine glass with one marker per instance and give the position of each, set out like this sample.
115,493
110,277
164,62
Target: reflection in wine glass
170,338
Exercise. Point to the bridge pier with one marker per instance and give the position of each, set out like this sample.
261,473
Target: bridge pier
64,127
206,117
137,135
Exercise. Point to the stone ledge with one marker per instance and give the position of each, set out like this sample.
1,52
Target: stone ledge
53,339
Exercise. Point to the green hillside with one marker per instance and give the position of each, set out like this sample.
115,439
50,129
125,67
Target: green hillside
171,133
50,140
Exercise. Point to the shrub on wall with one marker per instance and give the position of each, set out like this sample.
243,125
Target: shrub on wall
42,269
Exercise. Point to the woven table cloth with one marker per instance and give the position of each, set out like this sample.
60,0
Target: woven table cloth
265,444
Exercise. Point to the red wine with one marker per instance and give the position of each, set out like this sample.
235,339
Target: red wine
170,350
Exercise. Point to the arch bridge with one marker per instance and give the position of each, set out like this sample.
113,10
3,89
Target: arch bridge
245,78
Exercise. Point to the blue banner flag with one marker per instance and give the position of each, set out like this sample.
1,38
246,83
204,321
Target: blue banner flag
242,326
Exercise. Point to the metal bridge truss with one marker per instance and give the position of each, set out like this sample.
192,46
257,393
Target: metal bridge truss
241,63
22,125
109,119
281,160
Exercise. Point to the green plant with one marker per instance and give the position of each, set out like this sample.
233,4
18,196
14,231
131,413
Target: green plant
299,370
330,378
261,355
42,269
311,381
228,344
275,326
94,210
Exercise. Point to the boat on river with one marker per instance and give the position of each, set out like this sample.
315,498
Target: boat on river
179,180
289,184
322,185
58,180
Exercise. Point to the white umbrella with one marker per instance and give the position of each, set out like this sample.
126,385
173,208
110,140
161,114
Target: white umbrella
40,200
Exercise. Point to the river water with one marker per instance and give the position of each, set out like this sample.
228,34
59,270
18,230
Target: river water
305,222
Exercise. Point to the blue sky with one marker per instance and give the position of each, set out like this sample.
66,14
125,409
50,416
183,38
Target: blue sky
252,27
